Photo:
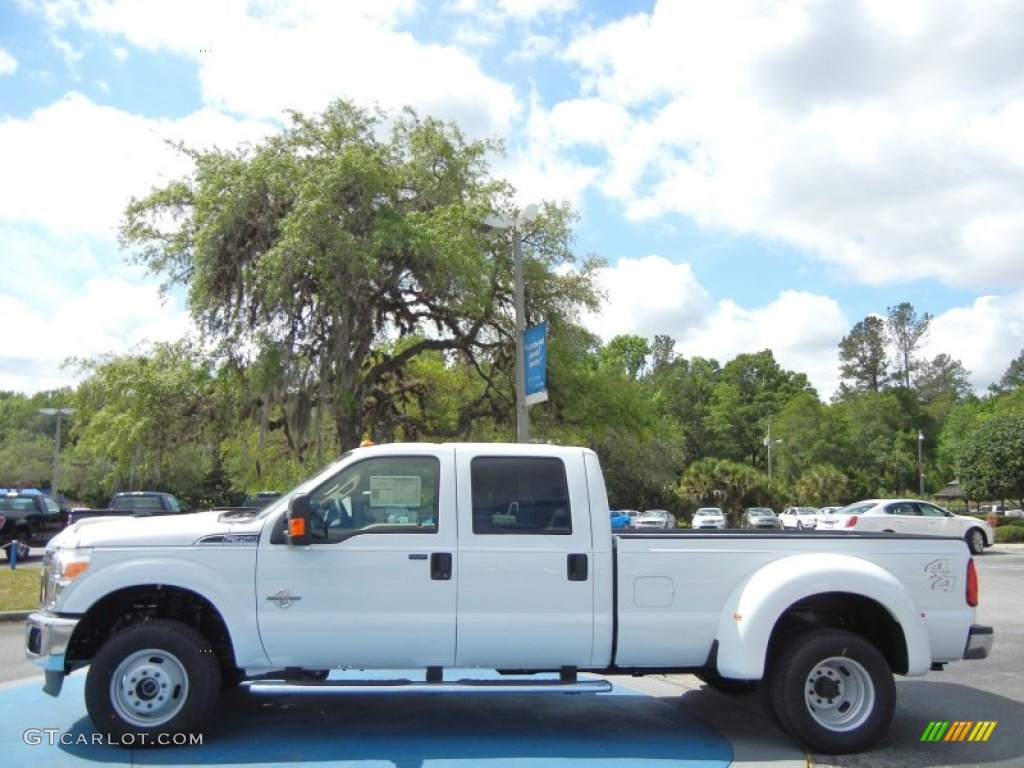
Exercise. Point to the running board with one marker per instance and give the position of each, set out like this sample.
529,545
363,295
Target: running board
329,687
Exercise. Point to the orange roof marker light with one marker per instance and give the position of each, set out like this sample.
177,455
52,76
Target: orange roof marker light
366,443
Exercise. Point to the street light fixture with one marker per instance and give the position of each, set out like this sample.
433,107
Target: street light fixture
58,412
525,216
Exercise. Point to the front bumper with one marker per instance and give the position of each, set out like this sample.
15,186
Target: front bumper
46,642
979,642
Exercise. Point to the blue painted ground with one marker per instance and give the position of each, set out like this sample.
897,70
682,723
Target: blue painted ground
623,729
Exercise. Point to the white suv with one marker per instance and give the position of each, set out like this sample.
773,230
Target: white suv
708,517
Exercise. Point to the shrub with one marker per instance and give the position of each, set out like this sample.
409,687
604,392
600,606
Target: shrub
1010,534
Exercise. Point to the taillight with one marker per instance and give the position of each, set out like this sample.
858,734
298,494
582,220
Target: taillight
972,583
851,521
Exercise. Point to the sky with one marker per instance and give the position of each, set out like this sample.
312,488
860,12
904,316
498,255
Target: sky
757,175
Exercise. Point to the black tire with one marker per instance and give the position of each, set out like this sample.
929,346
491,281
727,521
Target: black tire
832,690
975,541
152,682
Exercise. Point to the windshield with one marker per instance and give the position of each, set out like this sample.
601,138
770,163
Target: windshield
306,485
857,508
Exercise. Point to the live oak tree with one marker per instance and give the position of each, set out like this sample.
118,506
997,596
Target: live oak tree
330,260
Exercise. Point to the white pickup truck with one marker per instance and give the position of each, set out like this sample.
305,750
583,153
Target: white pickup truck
437,558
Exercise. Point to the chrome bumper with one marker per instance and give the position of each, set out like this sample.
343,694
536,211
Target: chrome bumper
46,642
979,642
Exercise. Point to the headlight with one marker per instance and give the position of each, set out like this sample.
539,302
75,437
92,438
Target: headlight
60,568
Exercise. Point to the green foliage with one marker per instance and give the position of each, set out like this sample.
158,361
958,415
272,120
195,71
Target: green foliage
145,420
1010,534
863,358
906,330
821,485
307,255
991,461
722,483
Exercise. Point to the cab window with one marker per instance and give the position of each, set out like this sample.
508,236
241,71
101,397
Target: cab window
388,494
520,495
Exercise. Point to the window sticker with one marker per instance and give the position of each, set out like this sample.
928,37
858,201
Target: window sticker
395,490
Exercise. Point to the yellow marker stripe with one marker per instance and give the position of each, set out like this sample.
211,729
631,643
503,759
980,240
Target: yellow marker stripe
982,730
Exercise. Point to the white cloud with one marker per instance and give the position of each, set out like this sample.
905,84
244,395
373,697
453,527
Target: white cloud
8,64
891,146
280,55
652,296
72,166
531,9
69,170
985,336
109,315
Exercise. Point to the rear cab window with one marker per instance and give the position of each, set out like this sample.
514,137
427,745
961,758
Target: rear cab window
520,495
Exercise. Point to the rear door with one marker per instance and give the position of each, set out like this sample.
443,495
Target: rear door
525,567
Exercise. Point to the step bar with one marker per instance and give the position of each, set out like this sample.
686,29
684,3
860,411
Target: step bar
400,685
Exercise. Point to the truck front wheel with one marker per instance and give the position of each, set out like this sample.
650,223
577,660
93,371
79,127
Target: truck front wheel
832,690
151,682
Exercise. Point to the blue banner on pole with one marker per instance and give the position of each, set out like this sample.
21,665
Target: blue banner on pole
536,353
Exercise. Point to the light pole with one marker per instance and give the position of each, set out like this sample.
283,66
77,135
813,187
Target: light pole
527,215
920,462
768,444
58,412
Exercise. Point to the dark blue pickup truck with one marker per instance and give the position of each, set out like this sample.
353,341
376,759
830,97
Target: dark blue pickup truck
31,519
132,504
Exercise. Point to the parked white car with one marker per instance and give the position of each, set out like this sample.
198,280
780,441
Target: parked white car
913,516
708,517
799,518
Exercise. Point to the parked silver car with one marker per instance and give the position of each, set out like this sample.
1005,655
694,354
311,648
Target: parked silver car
655,518
760,517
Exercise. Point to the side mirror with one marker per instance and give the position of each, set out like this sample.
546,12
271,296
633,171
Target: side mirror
299,513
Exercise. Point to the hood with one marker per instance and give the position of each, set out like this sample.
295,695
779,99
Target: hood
162,531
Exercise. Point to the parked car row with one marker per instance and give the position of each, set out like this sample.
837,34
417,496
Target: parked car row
912,516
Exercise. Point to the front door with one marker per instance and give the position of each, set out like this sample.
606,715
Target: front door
376,586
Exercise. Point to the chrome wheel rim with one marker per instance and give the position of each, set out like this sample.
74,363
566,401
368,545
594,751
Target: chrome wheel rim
977,541
839,694
149,687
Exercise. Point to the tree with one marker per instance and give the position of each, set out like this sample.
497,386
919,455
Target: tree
862,355
751,389
663,353
144,420
628,353
821,485
991,462
722,483
307,256
906,331
1012,378
943,377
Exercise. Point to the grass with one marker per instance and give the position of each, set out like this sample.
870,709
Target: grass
19,589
